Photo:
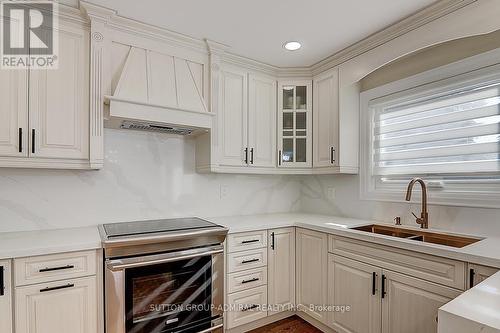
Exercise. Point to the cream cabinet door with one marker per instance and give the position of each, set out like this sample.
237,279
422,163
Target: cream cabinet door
232,118
59,100
478,273
411,305
281,269
326,119
261,121
13,113
5,297
57,307
354,284
312,271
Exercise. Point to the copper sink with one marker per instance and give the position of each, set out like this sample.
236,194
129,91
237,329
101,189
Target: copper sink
417,235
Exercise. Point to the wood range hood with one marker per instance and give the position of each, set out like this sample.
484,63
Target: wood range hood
158,92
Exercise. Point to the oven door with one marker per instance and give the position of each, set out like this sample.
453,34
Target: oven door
165,293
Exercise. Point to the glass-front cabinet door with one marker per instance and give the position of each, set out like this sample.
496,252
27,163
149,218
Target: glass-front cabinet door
295,124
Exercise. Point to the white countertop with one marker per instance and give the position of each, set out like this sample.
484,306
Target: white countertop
485,252
40,242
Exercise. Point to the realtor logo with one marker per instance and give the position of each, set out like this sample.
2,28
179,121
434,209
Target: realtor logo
28,32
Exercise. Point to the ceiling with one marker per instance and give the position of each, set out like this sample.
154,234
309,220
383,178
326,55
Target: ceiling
258,28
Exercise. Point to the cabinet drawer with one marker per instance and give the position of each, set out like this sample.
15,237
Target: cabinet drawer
40,269
247,279
246,241
440,270
246,306
246,260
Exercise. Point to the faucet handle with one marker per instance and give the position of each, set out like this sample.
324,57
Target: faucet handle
412,213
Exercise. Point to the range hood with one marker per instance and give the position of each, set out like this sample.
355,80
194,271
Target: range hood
158,92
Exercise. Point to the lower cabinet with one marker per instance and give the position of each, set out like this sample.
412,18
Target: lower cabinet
281,269
68,306
5,296
354,284
382,300
311,273
478,273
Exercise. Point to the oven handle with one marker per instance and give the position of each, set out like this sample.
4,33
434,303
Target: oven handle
121,264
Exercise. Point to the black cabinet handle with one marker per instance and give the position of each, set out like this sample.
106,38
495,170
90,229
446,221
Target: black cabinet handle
2,281
249,261
249,241
33,141
279,157
383,285
332,155
250,307
251,155
69,285
472,274
251,280
55,268
20,140
272,241
374,283
246,155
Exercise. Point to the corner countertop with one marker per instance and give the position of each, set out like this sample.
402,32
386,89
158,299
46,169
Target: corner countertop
41,242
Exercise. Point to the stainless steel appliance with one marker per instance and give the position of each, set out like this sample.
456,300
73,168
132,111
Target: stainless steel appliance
163,276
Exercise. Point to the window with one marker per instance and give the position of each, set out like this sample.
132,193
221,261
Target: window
446,131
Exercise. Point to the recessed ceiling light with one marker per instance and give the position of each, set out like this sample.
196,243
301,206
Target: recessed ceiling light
292,46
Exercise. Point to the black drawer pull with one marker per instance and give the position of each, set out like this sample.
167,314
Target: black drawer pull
2,281
43,270
374,283
472,273
249,241
20,140
383,285
69,285
33,141
250,307
251,280
249,261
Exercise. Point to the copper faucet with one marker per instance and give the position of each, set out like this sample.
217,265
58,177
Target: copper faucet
423,220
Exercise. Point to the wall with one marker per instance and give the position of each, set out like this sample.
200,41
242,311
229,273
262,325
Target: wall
146,176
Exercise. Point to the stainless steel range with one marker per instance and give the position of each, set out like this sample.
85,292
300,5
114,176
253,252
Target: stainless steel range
164,276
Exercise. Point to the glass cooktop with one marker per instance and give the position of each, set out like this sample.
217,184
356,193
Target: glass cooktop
155,226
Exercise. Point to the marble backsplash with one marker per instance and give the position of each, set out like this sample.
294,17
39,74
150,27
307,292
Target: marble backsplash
316,196
146,176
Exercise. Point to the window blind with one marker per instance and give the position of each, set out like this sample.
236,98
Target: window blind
448,133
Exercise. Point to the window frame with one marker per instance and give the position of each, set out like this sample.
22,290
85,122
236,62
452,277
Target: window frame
471,70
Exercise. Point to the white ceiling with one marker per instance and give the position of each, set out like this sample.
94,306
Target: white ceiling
258,28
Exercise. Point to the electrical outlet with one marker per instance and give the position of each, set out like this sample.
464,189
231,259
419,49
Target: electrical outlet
223,189
330,192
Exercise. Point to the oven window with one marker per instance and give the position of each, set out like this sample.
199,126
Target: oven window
161,298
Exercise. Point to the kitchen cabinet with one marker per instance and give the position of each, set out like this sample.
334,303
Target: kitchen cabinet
410,304
326,120
311,272
295,124
57,307
354,284
247,120
5,296
45,112
478,273
281,269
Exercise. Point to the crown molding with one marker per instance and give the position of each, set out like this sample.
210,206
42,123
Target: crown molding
412,22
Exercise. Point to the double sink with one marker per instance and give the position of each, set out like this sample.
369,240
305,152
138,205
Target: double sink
421,236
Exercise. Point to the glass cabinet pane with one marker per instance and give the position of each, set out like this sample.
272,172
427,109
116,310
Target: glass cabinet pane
301,150
288,98
287,150
288,120
300,120
301,97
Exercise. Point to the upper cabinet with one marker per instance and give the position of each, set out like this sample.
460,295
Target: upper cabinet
295,124
334,132
45,112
